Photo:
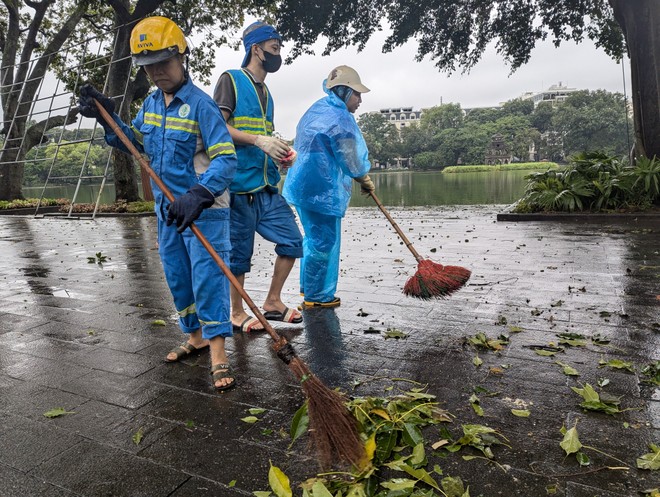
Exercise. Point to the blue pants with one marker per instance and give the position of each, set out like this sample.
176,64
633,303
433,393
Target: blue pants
198,285
269,215
319,269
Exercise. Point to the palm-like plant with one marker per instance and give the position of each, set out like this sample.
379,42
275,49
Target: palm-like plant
594,181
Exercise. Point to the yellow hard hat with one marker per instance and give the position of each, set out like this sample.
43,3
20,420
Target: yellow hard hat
345,76
156,39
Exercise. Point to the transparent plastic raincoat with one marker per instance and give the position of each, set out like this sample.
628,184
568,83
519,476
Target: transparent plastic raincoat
331,152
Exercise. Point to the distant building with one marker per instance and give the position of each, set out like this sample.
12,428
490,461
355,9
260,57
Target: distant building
555,94
401,116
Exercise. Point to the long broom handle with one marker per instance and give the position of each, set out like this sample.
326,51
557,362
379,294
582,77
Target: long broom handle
200,236
396,227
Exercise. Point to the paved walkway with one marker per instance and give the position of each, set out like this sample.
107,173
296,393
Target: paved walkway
82,336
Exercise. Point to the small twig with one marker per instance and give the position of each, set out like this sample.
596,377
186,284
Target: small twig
581,473
493,282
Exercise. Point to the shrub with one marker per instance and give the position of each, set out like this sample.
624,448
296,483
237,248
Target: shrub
593,181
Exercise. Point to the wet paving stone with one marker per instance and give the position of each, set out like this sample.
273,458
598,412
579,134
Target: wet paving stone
82,336
93,469
14,482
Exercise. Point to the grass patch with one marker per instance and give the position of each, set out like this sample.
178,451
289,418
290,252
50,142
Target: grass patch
522,166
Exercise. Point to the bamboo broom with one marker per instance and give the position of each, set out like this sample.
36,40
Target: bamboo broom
333,428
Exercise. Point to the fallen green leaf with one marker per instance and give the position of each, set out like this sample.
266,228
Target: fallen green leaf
650,461
571,442
617,364
57,412
256,411
279,482
250,419
582,459
159,322
394,333
568,370
299,424
138,436
521,413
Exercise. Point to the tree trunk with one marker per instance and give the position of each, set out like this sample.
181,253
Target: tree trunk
119,83
11,165
639,21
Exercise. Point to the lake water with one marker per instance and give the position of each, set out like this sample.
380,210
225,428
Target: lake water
400,188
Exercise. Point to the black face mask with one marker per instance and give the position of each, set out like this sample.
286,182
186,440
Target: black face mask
271,62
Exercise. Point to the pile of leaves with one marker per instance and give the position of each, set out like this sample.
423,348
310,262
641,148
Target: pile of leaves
396,461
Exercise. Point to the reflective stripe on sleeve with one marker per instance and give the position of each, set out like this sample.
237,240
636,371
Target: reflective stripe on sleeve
223,148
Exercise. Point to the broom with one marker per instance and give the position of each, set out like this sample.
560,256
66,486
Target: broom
431,279
333,428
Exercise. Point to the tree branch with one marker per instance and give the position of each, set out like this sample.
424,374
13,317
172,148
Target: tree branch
36,134
120,9
145,7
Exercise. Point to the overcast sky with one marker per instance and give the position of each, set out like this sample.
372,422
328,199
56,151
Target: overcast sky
396,80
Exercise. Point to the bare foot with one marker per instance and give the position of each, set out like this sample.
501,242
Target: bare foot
181,352
245,323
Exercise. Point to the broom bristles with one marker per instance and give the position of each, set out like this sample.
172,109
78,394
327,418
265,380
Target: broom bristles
332,427
435,280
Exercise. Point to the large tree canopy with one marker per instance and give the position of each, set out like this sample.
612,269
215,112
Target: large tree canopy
455,35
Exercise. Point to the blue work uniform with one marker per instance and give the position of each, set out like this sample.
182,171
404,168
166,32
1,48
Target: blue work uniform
331,152
188,143
256,205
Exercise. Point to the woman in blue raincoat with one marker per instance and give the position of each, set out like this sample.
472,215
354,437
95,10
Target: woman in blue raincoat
331,154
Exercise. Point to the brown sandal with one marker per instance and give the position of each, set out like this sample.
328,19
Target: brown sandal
220,371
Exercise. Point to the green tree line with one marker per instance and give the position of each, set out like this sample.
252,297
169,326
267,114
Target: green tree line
448,135
67,157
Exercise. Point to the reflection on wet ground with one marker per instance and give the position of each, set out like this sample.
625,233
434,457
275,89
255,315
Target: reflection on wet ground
88,337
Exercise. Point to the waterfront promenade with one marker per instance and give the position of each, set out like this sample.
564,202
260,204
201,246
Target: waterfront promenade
90,338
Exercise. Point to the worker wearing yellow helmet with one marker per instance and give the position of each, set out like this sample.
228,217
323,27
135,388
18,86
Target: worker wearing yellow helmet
182,131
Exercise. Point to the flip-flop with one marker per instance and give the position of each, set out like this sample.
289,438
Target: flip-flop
247,325
288,316
220,371
184,350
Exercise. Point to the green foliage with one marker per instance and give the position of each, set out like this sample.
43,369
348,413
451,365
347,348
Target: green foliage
454,34
592,181
32,203
66,160
593,120
381,135
445,137
392,432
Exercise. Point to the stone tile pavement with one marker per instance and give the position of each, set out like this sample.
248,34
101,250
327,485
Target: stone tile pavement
82,336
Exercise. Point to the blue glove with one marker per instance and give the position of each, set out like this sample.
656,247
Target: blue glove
185,209
87,107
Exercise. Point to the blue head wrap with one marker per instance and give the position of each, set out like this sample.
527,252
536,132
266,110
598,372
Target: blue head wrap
257,32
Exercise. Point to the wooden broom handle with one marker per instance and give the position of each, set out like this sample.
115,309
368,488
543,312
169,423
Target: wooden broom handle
396,227
200,236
